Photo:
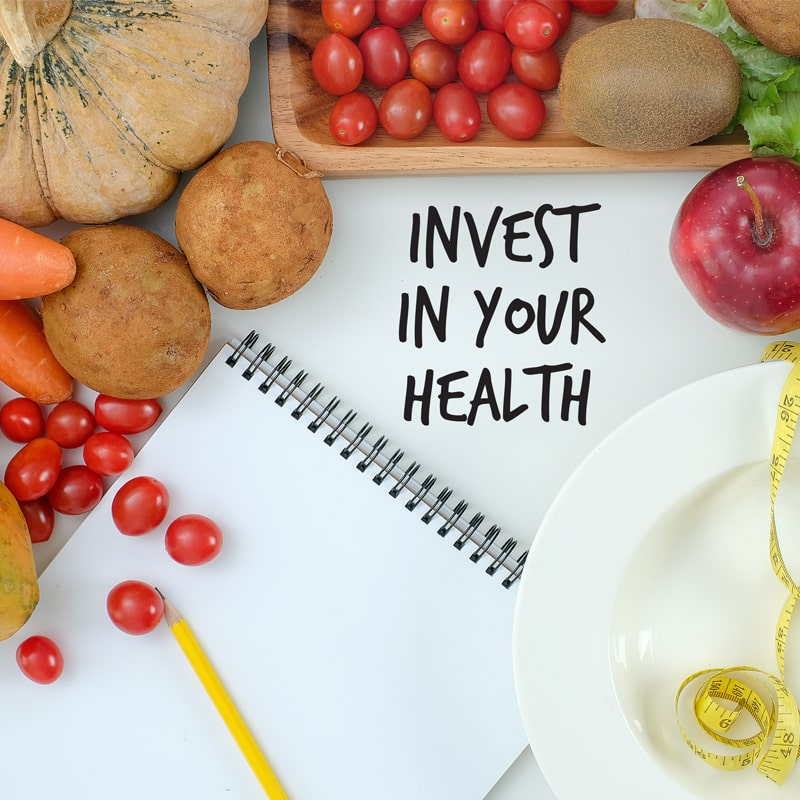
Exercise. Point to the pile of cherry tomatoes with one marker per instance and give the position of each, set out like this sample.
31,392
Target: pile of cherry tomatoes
36,474
498,49
44,485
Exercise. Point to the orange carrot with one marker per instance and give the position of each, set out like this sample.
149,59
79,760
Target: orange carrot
27,364
31,264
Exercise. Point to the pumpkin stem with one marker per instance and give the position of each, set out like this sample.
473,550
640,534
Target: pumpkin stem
27,26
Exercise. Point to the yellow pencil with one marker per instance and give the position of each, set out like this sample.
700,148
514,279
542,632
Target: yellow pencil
216,691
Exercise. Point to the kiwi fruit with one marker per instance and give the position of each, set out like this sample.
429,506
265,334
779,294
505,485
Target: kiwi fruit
134,323
254,224
648,85
775,23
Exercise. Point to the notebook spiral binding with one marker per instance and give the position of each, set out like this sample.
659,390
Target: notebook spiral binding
384,464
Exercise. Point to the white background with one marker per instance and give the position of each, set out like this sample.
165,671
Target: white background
343,327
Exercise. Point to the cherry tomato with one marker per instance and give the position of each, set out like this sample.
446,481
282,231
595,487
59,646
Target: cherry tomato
484,61
450,21
597,8
531,25
434,63
348,17
406,109
70,423
385,55
107,453
337,64
456,112
540,69
32,470
125,416
140,505
135,607
516,110
40,518
563,11
40,659
398,13
193,539
76,490
492,13
353,118
21,419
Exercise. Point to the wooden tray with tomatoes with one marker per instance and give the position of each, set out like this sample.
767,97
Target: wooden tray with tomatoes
300,111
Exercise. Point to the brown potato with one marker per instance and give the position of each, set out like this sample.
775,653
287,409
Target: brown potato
254,229
134,323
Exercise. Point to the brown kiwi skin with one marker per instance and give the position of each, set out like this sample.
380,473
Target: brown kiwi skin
648,85
775,23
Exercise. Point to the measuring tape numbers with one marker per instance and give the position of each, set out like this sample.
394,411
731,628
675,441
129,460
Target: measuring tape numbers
761,702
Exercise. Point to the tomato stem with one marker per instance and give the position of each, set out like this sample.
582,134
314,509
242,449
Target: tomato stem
762,232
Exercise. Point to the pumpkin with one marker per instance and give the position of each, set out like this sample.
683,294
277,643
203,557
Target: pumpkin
107,103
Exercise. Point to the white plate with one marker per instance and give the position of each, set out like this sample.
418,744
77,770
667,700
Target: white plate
653,563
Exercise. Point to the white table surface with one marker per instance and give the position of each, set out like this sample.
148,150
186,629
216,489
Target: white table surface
343,326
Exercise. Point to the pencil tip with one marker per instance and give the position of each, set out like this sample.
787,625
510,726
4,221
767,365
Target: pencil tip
171,614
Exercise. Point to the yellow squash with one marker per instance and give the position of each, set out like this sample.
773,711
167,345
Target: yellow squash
104,104
19,586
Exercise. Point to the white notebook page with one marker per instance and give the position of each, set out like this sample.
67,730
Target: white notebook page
370,658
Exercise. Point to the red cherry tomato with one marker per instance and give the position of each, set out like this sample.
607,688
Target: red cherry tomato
32,470
385,55
337,64
125,416
40,659
398,13
135,607
140,505
107,453
348,17
40,518
353,118
76,490
456,112
531,25
597,8
492,13
406,109
433,62
21,419
70,423
484,61
540,69
516,110
193,539
450,21
563,11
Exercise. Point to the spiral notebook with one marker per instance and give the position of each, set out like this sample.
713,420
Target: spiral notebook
360,615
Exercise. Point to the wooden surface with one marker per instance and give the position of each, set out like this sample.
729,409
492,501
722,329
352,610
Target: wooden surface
300,119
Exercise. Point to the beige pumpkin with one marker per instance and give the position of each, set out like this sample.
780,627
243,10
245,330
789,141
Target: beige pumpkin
106,103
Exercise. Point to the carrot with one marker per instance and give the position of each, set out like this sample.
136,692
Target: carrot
31,264
27,364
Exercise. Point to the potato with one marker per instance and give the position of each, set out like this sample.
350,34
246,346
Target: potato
253,228
134,323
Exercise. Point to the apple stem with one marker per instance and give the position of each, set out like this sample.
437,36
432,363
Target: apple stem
762,232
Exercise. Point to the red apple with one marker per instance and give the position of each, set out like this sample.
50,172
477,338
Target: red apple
736,244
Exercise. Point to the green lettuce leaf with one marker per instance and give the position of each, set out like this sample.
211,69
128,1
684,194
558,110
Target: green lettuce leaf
769,106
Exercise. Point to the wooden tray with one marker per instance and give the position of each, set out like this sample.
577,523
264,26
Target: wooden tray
300,119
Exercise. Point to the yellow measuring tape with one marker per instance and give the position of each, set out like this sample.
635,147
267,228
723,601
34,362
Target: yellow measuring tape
763,701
